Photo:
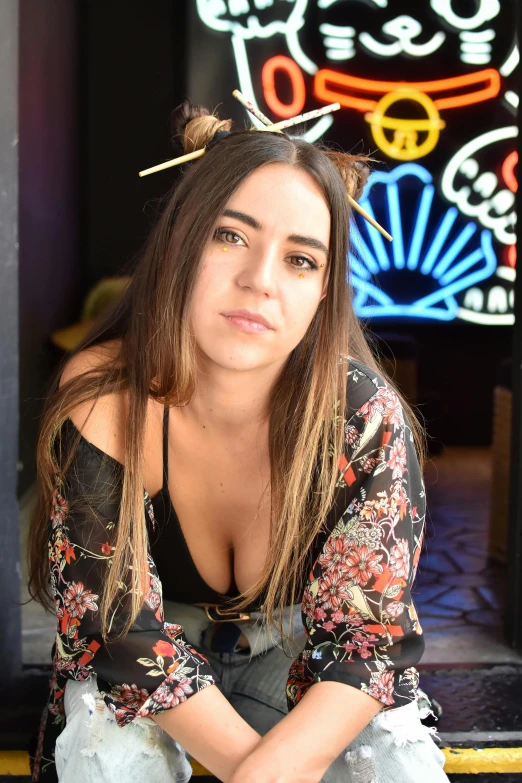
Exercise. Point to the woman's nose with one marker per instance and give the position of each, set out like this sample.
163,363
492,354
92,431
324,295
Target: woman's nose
260,272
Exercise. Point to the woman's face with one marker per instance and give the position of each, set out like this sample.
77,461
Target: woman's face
267,256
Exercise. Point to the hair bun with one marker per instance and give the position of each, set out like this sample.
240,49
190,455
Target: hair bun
354,170
193,126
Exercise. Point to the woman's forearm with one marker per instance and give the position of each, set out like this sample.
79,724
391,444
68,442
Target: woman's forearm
210,729
301,747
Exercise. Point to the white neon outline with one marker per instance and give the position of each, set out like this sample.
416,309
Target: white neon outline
485,318
337,43
340,54
474,299
498,225
494,305
475,59
396,27
511,98
336,30
253,30
481,36
243,72
488,10
507,68
506,273
294,47
472,48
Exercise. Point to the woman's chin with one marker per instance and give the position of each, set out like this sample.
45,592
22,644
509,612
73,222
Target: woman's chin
240,360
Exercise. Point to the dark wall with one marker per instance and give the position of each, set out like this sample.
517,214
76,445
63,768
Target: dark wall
10,631
50,268
133,76
98,81
458,368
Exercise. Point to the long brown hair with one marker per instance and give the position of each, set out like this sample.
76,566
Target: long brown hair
157,359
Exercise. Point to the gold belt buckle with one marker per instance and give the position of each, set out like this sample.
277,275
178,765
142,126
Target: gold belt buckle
237,618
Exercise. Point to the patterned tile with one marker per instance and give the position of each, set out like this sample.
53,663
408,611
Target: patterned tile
485,617
468,563
464,598
464,580
426,593
437,561
433,610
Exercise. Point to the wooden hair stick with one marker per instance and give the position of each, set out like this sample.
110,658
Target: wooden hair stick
302,118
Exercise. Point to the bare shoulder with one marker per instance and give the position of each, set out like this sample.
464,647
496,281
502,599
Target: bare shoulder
101,422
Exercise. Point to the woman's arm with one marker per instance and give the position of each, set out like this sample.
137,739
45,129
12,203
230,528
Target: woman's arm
301,747
363,636
153,669
211,730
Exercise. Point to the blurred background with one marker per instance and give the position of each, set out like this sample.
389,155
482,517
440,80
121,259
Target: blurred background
429,88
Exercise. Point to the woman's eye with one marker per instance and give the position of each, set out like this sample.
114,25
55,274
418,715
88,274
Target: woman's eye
304,263
224,234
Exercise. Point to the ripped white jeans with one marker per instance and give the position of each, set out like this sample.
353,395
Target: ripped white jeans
395,747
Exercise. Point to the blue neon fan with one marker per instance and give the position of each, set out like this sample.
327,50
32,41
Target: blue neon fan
435,253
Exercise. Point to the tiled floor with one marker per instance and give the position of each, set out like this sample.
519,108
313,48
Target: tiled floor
458,594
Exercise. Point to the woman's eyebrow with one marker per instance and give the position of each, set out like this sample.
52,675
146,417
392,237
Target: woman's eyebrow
250,221
316,244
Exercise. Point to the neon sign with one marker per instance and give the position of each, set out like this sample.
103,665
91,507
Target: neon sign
494,208
424,84
446,258
487,10
354,92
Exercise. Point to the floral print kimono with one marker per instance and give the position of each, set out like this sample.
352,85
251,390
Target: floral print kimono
357,611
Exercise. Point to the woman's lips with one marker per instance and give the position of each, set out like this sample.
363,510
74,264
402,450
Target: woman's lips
245,324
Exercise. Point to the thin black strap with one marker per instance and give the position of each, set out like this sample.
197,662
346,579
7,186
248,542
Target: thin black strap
166,448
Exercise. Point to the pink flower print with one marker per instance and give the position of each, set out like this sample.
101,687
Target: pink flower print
77,600
333,590
338,617
169,693
368,464
384,402
319,614
350,434
400,558
363,564
382,689
130,695
397,460
329,626
153,600
364,643
334,553
59,509
392,409
395,608
182,689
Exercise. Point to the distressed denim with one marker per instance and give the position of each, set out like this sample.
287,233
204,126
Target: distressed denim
394,747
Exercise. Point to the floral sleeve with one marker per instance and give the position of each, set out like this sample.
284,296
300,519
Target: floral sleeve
153,668
359,618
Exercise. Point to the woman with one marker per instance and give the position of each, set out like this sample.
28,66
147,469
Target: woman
226,430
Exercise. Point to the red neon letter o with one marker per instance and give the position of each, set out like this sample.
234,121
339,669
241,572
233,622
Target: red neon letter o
293,72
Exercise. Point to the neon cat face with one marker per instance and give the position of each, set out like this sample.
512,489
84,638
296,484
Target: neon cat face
375,27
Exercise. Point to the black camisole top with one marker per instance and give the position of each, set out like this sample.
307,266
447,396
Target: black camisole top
181,581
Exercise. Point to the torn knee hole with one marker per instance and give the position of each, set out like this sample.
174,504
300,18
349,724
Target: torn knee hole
361,764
